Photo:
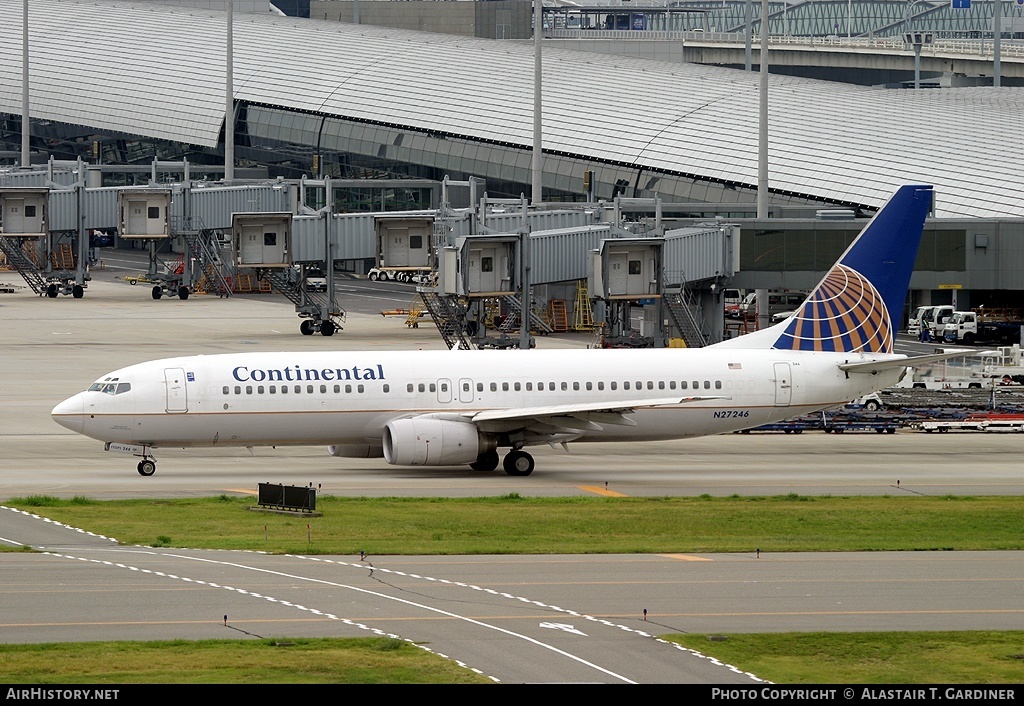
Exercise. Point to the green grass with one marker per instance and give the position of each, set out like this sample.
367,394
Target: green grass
291,661
973,657
514,524
578,525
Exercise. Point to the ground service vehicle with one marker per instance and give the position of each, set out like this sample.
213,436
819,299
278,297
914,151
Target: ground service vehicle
979,326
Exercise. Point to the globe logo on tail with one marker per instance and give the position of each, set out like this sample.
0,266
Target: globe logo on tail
845,313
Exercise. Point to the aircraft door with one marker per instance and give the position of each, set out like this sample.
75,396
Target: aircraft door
177,397
783,385
465,390
444,390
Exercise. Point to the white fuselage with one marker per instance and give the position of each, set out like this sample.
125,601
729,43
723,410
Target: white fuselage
347,398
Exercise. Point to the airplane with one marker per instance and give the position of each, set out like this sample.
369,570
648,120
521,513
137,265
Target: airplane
457,407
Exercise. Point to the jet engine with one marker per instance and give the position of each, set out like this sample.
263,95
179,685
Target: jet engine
356,450
425,441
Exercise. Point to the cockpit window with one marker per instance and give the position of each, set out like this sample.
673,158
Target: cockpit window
110,386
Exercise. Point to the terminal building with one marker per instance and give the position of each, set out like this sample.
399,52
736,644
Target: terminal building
662,144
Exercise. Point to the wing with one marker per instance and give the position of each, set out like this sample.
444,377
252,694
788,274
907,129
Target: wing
558,423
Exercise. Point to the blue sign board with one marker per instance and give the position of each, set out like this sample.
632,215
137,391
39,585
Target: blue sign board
961,4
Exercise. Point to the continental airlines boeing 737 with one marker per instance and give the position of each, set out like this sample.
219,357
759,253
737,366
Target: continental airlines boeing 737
445,408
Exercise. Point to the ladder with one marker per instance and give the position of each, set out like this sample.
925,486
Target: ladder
559,318
583,314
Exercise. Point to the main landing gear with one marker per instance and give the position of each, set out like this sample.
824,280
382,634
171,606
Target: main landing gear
517,462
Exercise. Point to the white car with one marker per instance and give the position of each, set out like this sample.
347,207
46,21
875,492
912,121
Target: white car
316,280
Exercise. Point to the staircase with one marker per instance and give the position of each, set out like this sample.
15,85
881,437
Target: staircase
450,316
311,305
202,245
680,307
17,259
514,317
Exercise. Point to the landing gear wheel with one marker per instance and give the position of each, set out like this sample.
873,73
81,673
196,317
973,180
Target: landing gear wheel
518,463
487,461
51,291
183,293
307,327
146,468
78,291
157,292
327,328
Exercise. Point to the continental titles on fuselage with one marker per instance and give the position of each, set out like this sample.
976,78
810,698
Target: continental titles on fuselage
297,373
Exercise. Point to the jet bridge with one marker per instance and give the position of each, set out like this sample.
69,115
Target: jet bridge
50,260
262,243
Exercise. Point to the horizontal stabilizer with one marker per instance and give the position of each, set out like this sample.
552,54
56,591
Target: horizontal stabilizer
878,366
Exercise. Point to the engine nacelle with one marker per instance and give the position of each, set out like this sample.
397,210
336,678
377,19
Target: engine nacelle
424,441
356,451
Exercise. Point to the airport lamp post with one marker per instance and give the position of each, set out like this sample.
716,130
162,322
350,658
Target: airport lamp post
229,95
26,158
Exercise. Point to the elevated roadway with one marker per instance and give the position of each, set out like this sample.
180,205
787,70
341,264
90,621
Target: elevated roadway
886,54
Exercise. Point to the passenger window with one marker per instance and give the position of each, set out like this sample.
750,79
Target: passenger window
625,385
590,386
238,389
337,389
248,389
226,389
387,388
494,387
529,387
614,385
323,389
516,387
408,388
359,388
718,384
565,386
650,384
575,386
348,389
421,387
600,385
309,389
707,384
504,387
284,389
683,385
259,389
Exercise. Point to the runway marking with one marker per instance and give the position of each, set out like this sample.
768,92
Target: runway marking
548,606
243,491
597,490
331,616
685,557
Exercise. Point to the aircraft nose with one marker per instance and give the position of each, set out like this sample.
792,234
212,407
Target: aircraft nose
70,413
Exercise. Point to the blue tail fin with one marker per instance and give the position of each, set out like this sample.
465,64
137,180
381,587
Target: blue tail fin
851,309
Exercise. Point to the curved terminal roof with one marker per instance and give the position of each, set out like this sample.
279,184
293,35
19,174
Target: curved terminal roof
159,71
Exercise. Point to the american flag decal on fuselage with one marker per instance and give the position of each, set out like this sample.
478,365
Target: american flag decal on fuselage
844,313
